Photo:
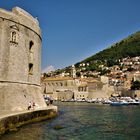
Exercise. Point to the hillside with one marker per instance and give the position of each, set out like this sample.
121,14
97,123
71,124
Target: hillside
126,47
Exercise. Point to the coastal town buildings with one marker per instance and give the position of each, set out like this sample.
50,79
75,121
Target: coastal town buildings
117,80
68,88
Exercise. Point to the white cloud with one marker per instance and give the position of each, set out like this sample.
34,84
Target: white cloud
48,69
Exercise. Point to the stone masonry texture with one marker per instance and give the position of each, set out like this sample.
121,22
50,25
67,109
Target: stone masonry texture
20,60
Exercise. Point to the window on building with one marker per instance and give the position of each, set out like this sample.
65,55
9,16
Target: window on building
85,89
30,68
31,46
78,88
13,37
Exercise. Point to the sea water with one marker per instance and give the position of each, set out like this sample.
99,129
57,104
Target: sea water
84,121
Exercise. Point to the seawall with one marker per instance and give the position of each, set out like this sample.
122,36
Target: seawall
11,121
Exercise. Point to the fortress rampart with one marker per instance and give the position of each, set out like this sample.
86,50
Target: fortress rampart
22,18
20,60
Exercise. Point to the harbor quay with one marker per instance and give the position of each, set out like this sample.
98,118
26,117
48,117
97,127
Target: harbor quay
11,121
91,90
21,100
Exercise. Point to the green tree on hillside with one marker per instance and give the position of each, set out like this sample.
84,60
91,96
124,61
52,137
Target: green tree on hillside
127,47
135,85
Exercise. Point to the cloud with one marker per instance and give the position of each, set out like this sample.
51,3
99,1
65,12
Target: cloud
48,69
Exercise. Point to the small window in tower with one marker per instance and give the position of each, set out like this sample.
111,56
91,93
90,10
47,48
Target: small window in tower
31,69
13,37
31,46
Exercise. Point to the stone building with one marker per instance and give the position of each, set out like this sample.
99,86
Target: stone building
66,88
58,87
137,76
20,60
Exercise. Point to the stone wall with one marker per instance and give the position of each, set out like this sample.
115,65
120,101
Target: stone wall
15,96
91,89
51,86
13,121
81,95
65,95
137,93
15,53
20,60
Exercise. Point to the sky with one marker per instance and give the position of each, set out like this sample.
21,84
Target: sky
73,30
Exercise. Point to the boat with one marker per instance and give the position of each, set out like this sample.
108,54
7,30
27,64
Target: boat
91,100
107,102
119,103
134,102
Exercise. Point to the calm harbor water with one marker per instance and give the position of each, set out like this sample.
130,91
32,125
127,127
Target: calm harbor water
84,121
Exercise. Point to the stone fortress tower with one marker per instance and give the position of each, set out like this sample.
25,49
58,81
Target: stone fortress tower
20,60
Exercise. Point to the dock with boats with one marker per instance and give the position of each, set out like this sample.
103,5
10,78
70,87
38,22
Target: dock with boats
113,101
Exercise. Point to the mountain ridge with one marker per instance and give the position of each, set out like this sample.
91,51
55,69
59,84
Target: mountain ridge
130,46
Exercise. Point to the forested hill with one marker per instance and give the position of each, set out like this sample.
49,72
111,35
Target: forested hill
127,47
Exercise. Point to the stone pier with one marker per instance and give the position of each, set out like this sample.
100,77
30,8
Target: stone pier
11,121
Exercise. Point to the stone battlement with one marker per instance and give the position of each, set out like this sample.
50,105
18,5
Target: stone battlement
20,60
21,17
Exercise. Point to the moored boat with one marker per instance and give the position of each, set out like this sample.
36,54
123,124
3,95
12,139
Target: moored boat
119,103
